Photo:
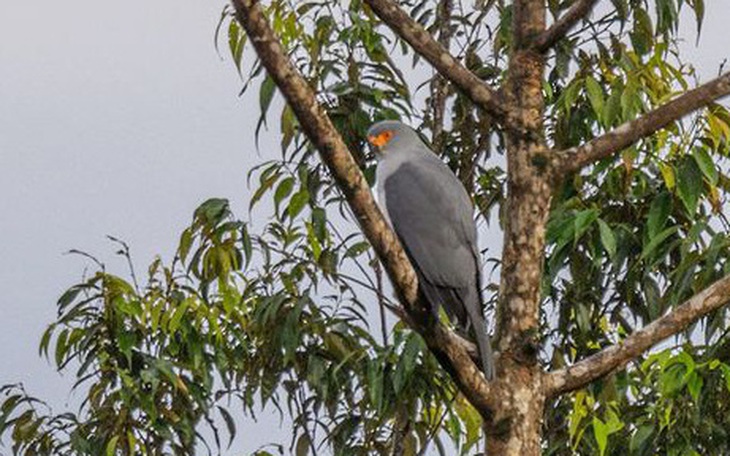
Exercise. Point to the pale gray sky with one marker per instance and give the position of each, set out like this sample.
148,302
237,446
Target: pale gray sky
115,118
120,118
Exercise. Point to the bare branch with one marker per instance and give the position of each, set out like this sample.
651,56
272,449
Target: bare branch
452,351
574,159
441,59
547,39
617,356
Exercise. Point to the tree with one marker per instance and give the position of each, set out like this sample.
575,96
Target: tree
611,206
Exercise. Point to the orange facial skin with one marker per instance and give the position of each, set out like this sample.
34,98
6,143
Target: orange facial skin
381,139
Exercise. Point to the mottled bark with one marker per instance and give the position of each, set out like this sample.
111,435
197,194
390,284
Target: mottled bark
515,429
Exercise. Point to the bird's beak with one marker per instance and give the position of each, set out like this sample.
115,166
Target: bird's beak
378,142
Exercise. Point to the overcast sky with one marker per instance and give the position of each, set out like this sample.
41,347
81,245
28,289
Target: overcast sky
119,118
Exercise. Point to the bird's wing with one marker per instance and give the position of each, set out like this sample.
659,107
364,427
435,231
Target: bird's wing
432,215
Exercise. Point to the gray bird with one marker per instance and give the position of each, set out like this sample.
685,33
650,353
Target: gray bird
432,215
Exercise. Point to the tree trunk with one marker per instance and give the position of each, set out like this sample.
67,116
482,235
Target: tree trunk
516,430
516,427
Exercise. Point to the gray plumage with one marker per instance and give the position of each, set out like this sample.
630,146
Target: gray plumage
432,215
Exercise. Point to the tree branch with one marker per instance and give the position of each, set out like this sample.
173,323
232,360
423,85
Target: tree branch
617,356
452,351
547,39
574,159
442,60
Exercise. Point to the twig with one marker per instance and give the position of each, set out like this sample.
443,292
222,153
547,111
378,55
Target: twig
381,299
547,39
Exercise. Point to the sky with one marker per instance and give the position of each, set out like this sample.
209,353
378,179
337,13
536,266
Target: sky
119,118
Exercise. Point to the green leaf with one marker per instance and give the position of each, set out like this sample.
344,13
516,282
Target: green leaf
699,8
131,439
297,203
706,164
600,432
111,447
46,340
689,185
659,211
266,183
673,379
407,362
570,95
230,424
126,340
601,429
177,316
319,223
69,296
236,41
669,176
375,384
61,347
657,240
642,37
357,249
186,240
640,438
726,374
583,221
212,210
283,190
247,245
266,94
694,385
595,96
607,238
613,106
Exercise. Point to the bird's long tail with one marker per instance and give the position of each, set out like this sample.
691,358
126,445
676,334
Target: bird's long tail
479,324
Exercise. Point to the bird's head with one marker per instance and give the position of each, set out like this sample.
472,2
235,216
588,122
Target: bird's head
384,136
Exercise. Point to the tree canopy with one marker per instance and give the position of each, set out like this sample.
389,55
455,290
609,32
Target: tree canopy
587,143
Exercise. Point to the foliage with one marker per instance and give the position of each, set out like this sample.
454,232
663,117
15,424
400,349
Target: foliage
287,317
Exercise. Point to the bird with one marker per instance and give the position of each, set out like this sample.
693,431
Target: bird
432,215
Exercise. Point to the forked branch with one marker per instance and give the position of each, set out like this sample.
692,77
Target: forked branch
451,350
574,159
580,10
617,356
442,60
